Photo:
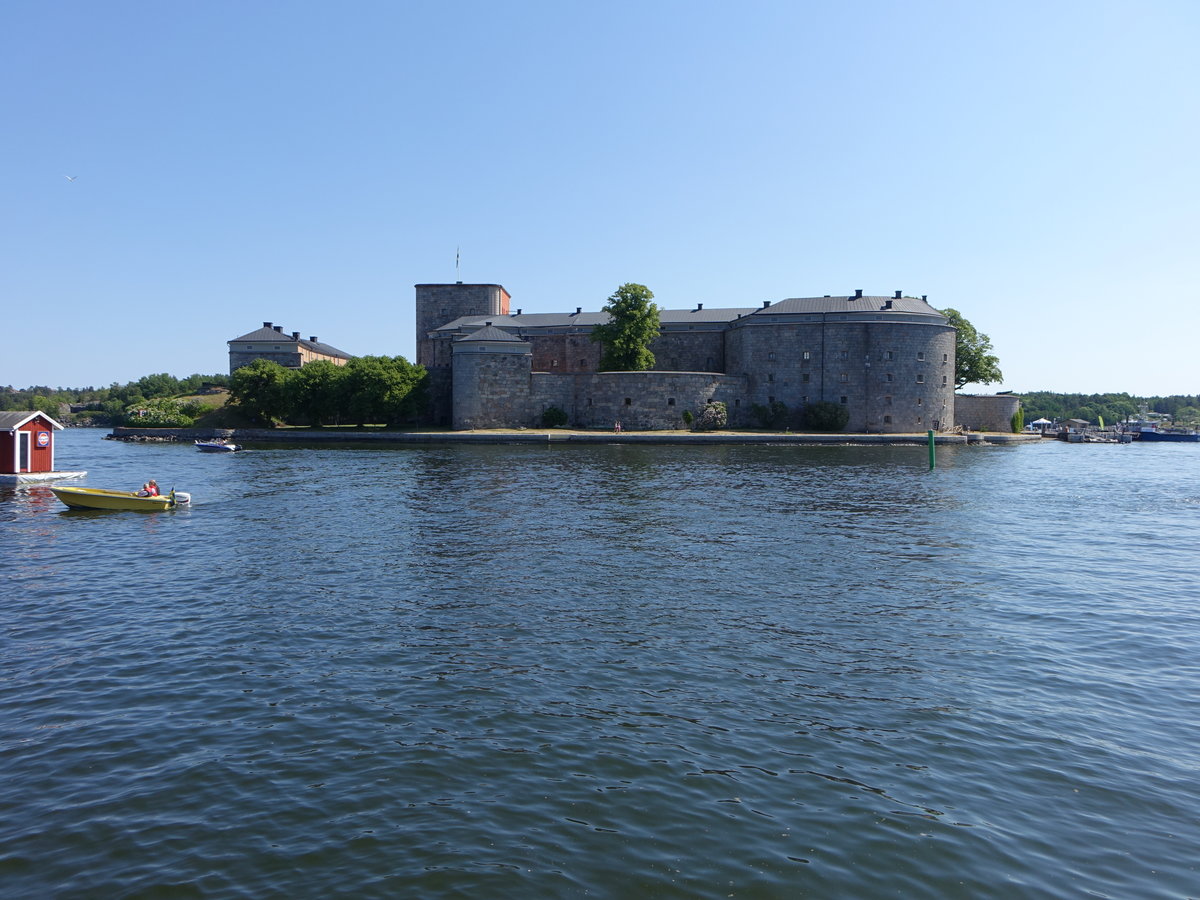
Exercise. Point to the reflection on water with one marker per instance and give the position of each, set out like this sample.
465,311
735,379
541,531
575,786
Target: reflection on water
613,671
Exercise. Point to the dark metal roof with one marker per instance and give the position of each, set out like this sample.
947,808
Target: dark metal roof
490,333
848,304
716,316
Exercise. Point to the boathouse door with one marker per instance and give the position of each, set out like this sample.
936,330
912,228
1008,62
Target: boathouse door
24,460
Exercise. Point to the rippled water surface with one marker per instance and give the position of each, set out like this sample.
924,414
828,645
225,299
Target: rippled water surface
607,671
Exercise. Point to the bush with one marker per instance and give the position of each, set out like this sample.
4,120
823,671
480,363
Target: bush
159,413
688,418
1018,420
715,416
553,417
774,415
824,416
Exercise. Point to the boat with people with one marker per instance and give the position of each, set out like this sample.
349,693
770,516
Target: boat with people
217,445
99,498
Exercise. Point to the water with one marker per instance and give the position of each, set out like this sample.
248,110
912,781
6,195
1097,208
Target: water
605,671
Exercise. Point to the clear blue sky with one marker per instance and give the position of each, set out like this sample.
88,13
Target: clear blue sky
1033,165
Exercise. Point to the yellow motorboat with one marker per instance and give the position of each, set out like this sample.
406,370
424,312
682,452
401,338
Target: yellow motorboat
98,498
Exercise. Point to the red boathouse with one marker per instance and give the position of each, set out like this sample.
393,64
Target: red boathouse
27,447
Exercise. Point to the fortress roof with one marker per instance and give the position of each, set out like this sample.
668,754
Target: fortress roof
490,333
700,315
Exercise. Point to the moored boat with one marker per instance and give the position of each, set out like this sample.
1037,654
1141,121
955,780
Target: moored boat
99,498
1174,435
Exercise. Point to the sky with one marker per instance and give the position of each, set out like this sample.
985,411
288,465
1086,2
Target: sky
1031,164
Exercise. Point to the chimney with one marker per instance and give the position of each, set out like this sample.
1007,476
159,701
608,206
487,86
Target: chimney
266,324
766,303
858,294
699,306
898,295
295,335
279,328
578,310
487,324
887,304
923,296
313,338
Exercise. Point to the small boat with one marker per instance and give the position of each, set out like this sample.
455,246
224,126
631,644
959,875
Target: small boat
217,446
98,498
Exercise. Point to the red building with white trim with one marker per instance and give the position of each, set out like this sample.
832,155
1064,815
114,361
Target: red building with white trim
27,447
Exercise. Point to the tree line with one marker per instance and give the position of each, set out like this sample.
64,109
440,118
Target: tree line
386,390
1184,409
113,404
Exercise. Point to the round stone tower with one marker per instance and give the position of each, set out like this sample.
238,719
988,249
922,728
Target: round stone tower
437,305
490,383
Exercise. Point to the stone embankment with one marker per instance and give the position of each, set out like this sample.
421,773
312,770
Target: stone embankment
541,436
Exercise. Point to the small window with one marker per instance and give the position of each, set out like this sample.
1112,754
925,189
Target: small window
628,401
708,364
805,378
670,401
887,401
887,420
771,355
804,399
276,348
918,420
806,355
770,399
770,376
589,401
583,364
737,402
920,355
843,400
945,357
844,377
554,363
845,354
887,355
921,379
888,376
920,401
943,381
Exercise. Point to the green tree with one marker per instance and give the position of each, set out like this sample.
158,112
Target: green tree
260,389
632,326
973,363
383,389
317,394
160,385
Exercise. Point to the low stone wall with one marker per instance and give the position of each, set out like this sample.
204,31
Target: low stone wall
986,412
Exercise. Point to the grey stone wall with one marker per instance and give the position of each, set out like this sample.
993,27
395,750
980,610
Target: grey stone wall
491,386
689,351
892,376
986,412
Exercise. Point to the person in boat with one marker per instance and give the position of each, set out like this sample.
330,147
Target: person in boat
149,489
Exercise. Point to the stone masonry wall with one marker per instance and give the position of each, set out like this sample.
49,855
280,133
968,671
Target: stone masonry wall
986,412
892,376
491,389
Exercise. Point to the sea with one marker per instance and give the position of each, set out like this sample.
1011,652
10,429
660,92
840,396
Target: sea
606,671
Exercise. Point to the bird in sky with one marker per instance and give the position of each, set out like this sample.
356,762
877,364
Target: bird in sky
70,177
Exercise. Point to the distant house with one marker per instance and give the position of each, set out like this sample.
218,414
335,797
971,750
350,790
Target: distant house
289,350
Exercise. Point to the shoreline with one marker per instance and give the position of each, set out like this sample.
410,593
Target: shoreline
548,436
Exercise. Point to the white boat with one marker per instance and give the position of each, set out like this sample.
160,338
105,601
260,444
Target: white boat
217,445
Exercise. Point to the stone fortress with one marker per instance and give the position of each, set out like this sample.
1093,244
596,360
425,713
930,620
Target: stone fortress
888,360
